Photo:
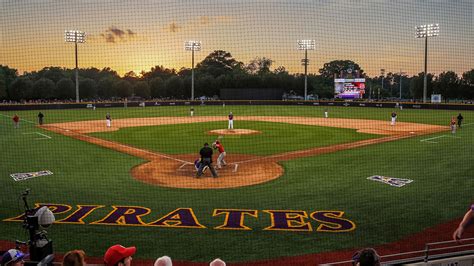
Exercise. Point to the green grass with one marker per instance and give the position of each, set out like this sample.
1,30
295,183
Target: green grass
87,174
435,117
275,137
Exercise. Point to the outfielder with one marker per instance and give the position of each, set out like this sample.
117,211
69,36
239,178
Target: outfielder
231,121
108,120
220,160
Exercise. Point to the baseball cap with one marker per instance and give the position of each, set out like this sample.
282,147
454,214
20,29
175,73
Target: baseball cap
13,255
117,253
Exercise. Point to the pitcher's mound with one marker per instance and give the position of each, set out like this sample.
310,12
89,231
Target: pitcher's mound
233,132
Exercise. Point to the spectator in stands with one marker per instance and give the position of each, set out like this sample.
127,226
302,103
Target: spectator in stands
74,258
366,257
119,255
163,261
466,221
217,262
13,257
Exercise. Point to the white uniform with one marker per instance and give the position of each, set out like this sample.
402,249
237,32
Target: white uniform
394,119
231,121
108,120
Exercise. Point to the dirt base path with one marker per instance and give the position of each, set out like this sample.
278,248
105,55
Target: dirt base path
242,170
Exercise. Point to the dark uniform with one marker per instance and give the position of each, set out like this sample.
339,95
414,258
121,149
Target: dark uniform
460,118
40,118
206,160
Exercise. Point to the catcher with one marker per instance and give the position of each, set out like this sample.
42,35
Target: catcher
197,163
220,160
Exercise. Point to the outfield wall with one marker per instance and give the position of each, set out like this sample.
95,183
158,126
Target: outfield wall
409,105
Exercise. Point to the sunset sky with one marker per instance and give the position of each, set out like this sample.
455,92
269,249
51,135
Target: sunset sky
136,35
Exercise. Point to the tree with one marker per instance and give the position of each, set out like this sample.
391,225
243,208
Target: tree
7,75
158,72
43,88
65,89
467,84
124,88
206,86
20,89
336,66
447,84
106,87
174,87
87,88
130,76
157,88
416,85
52,73
141,89
321,86
259,65
218,63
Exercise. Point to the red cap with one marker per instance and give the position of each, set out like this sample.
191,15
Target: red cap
117,253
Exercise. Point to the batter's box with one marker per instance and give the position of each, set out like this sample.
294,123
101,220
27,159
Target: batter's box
392,181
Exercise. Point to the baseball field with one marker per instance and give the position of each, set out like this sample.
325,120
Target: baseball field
295,186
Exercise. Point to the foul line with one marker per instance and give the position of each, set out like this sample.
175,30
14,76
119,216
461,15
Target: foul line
438,137
41,134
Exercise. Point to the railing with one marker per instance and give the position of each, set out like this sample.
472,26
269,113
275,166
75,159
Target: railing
432,251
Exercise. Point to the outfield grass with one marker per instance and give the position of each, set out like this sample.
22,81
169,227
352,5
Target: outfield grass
87,174
434,117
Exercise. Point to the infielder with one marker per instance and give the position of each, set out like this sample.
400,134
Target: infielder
108,120
326,114
394,118
220,160
231,121
191,111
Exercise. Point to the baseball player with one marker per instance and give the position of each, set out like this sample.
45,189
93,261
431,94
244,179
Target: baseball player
191,111
394,118
197,163
220,160
16,121
108,120
460,118
231,121
326,114
453,125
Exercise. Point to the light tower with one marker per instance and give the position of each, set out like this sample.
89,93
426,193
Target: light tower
306,45
382,73
401,74
425,31
76,37
192,46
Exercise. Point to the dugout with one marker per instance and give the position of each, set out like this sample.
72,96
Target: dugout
251,94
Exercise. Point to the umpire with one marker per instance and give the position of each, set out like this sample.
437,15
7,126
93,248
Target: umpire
206,160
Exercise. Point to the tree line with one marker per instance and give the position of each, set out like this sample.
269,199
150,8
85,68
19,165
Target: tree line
217,71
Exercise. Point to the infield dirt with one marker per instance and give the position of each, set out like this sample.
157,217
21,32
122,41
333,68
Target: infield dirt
242,170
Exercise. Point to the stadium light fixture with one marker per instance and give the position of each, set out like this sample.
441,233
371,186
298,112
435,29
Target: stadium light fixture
76,37
192,46
306,45
425,31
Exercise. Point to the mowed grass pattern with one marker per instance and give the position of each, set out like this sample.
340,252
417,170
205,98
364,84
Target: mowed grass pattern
87,174
274,138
